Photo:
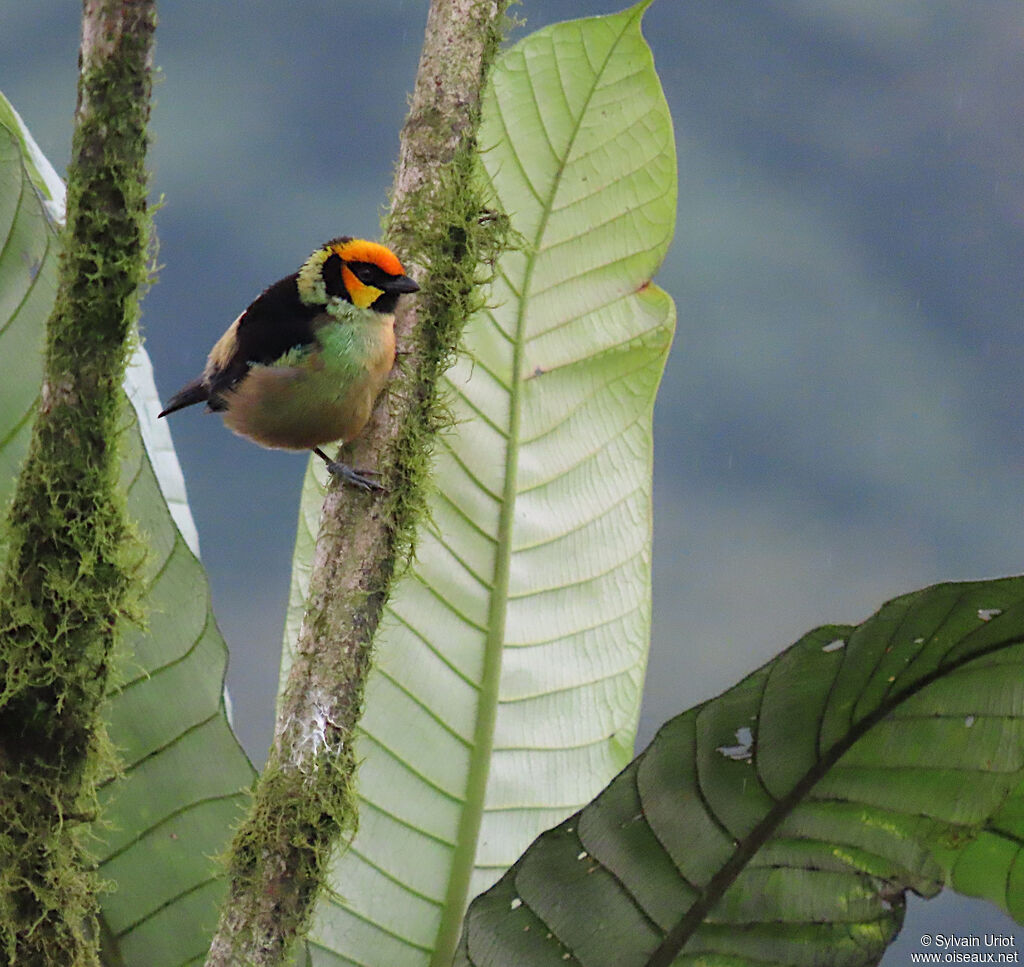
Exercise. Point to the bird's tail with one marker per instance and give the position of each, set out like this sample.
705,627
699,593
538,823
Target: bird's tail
194,392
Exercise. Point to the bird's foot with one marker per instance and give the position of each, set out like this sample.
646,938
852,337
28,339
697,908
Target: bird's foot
358,478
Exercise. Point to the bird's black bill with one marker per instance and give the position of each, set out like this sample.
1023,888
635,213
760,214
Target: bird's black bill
402,284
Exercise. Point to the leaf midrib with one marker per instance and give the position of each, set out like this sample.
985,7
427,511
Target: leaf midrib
748,847
464,859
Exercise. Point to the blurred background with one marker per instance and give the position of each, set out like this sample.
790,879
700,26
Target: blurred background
840,417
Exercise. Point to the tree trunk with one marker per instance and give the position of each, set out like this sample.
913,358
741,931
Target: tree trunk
304,801
68,578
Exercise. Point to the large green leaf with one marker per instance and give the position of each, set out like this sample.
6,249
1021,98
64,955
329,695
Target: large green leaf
27,284
170,812
510,661
781,822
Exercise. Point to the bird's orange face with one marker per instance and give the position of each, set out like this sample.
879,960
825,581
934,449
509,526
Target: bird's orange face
358,251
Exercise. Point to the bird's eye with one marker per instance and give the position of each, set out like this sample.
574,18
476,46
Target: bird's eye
364,273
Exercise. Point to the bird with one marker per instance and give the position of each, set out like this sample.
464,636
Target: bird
302,366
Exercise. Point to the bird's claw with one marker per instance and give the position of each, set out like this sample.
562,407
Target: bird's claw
358,478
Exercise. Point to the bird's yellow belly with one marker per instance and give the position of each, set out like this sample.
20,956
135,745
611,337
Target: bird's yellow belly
300,407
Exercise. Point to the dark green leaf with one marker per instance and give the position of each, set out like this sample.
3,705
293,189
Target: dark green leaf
782,822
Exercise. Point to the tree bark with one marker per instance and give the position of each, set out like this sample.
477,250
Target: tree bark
304,801
68,578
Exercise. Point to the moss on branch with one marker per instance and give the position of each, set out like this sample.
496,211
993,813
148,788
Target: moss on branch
71,560
304,803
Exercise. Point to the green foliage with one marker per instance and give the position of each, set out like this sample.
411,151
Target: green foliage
304,802
167,814
28,264
779,823
509,662
70,566
783,821
167,811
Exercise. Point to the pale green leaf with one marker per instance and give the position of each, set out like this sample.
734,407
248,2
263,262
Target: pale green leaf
27,283
510,660
782,822
170,813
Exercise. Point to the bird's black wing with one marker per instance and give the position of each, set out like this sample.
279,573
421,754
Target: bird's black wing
276,322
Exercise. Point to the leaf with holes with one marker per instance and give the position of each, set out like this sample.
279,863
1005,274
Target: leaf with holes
781,822
171,811
510,661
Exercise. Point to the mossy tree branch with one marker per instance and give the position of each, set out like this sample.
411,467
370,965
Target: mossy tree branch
69,576
303,803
